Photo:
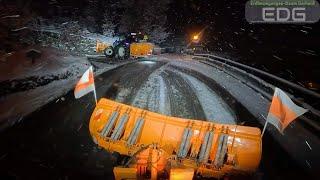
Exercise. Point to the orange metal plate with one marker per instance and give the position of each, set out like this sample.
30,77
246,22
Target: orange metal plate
244,144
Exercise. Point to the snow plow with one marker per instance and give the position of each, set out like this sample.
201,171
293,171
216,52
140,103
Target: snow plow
162,147
129,46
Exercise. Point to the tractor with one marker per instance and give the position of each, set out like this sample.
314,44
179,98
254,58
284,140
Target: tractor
132,45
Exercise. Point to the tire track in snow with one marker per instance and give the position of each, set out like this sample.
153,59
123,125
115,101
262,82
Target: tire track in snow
214,107
152,103
165,89
164,105
183,101
145,95
131,81
152,94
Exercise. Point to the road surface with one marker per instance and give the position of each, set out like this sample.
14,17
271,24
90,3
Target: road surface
54,142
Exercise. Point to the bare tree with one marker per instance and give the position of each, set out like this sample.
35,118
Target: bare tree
155,19
145,16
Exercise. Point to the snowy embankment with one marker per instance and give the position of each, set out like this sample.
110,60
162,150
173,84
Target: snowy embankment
25,87
70,37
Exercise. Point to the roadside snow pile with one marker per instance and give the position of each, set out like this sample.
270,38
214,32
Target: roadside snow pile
81,43
94,37
25,87
68,36
51,61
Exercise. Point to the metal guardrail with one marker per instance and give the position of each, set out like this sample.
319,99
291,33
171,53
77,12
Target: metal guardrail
238,65
263,73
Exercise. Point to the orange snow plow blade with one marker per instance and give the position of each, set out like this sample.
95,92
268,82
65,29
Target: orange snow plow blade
124,173
141,49
172,144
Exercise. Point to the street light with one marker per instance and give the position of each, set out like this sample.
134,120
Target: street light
196,38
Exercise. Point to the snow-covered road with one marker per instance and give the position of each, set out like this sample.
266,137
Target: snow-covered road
160,87
54,141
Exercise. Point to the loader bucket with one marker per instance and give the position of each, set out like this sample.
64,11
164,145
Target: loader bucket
100,46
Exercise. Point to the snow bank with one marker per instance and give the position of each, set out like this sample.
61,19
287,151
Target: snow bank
51,62
15,106
69,37
106,39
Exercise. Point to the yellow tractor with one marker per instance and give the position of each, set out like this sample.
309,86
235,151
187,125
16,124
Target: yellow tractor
131,46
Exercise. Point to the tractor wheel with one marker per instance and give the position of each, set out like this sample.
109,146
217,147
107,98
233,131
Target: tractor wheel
109,52
122,52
